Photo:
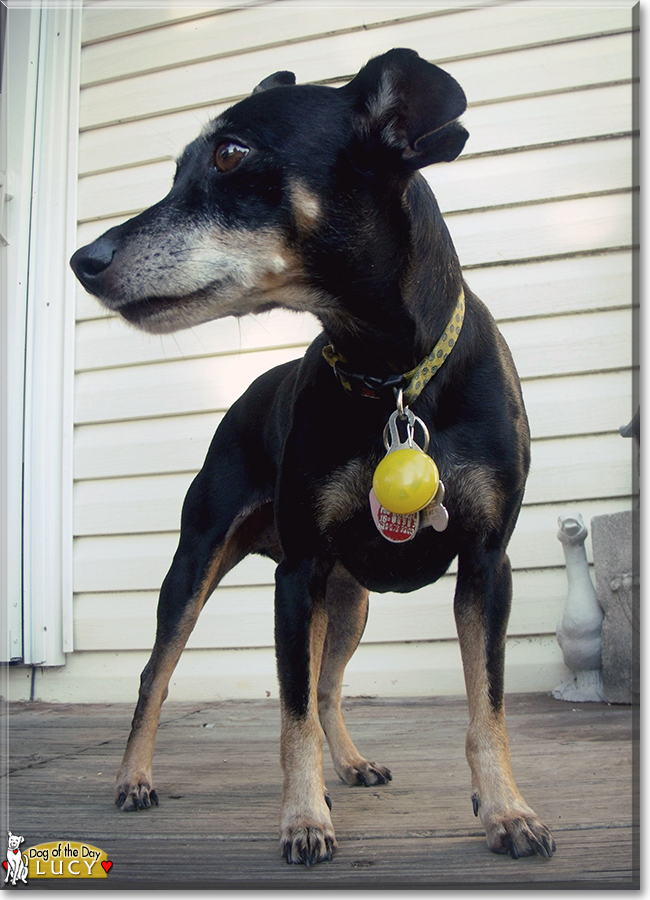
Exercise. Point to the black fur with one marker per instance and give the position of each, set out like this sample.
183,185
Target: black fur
325,184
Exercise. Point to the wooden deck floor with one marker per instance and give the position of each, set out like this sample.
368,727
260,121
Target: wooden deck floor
218,777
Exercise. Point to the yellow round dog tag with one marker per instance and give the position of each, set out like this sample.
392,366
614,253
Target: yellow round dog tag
406,480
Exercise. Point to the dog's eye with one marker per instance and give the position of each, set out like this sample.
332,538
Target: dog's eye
229,155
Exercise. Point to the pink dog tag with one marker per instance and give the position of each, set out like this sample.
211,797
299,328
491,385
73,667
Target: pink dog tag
395,527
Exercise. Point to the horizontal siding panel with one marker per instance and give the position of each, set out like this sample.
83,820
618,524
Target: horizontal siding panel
471,183
493,127
229,33
124,192
575,64
555,228
566,406
560,345
572,116
384,670
103,24
565,171
198,385
551,287
243,616
162,389
109,342
144,446
578,404
545,70
578,468
139,562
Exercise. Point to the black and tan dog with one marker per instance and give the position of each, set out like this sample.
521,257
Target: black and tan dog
309,197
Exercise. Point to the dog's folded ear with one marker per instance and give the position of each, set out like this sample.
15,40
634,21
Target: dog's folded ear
278,79
405,104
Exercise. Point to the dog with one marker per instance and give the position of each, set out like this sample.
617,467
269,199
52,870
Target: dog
310,198
16,863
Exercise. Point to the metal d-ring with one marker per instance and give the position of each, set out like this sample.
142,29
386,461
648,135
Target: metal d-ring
392,438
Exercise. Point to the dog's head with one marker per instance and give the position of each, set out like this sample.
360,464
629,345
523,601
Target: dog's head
14,841
288,195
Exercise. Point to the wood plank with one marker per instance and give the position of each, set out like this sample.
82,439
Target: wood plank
220,787
139,562
574,64
493,127
239,616
471,183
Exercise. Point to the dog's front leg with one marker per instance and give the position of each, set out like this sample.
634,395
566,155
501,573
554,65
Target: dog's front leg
481,607
306,832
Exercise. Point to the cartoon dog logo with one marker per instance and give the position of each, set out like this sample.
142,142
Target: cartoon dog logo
16,864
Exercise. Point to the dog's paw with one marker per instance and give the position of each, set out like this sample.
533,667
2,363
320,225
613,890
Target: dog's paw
308,843
519,835
364,772
132,796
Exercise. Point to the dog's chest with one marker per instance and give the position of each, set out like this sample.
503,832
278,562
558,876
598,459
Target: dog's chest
343,510
344,493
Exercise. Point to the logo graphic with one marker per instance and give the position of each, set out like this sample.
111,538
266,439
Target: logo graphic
15,865
56,859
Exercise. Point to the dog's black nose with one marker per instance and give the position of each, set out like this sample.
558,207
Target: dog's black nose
91,261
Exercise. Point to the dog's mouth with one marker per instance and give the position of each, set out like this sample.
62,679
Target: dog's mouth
160,314
138,311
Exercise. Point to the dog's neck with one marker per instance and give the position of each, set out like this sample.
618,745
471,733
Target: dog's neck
406,317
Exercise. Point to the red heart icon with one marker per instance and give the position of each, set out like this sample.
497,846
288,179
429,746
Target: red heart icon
106,864
4,863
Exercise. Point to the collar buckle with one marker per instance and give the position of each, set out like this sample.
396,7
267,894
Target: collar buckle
370,386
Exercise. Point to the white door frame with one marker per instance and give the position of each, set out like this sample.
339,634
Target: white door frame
40,115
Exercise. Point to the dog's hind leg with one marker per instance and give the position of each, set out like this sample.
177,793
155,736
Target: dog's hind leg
481,607
224,519
347,610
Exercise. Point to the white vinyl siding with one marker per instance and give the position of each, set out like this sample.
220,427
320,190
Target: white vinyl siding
540,207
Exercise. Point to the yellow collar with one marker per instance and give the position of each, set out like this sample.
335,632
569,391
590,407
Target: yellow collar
419,377
416,379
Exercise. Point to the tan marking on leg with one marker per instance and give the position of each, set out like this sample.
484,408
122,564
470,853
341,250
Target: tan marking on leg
306,831
347,606
510,824
134,783
252,530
